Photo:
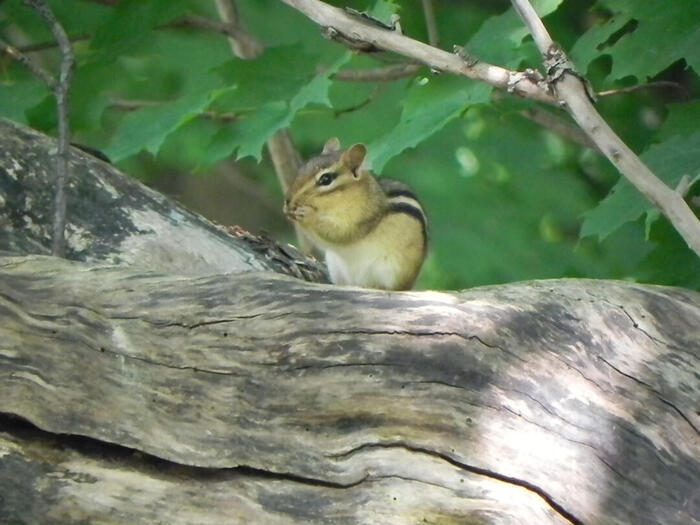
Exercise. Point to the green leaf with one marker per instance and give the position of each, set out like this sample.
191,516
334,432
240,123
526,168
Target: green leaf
43,116
383,9
682,119
667,32
587,47
247,136
268,78
88,95
671,262
426,110
670,161
132,22
75,16
20,95
147,128
500,39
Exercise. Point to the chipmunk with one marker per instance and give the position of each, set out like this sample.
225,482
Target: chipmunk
373,232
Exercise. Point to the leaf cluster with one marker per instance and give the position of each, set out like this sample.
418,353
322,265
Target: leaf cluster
507,198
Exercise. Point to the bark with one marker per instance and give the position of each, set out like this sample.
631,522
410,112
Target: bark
113,218
140,396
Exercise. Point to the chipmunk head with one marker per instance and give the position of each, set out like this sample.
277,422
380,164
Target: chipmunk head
334,199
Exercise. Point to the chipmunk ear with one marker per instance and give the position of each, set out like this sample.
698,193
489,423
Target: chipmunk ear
354,156
331,146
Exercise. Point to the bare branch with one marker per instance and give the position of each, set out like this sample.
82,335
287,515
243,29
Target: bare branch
686,182
41,46
650,85
243,44
285,158
284,155
60,88
377,74
430,22
244,40
27,62
354,29
202,22
133,105
559,126
534,24
572,93
360,105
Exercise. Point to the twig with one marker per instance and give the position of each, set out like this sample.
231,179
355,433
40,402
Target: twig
364,103
243,44
60,88
377,74
285,158
649,85
431,24
237,33
559,126
350,109
133,105
42,46
27,62
332,18
684,185
572,93
284,155
202,22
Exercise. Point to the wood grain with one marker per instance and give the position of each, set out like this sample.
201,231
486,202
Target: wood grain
280,401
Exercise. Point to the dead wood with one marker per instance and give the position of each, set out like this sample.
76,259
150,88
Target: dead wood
134,395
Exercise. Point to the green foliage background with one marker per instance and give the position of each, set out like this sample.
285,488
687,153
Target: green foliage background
507,199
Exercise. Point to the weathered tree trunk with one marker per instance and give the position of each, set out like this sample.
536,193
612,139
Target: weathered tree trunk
115,219
135,396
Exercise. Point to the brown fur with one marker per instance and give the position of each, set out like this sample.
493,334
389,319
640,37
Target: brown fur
353,216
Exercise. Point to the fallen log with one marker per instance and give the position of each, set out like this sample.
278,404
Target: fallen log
133,395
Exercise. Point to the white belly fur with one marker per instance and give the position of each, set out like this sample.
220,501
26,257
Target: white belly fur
363,264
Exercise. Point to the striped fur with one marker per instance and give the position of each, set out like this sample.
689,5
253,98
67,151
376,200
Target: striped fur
401,199
373,232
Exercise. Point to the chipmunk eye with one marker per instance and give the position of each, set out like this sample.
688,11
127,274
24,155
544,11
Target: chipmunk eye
326,178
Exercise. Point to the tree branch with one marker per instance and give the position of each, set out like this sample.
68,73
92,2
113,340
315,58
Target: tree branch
41,46
353,29
572,93
27,62
377,74
284,155
649,85
60,88
243,44
133,105
430,22
559,126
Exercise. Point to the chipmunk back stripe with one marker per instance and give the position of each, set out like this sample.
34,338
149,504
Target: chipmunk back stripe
406,197
400,192
410,209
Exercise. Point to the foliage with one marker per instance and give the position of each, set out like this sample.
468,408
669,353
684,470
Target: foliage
507,199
